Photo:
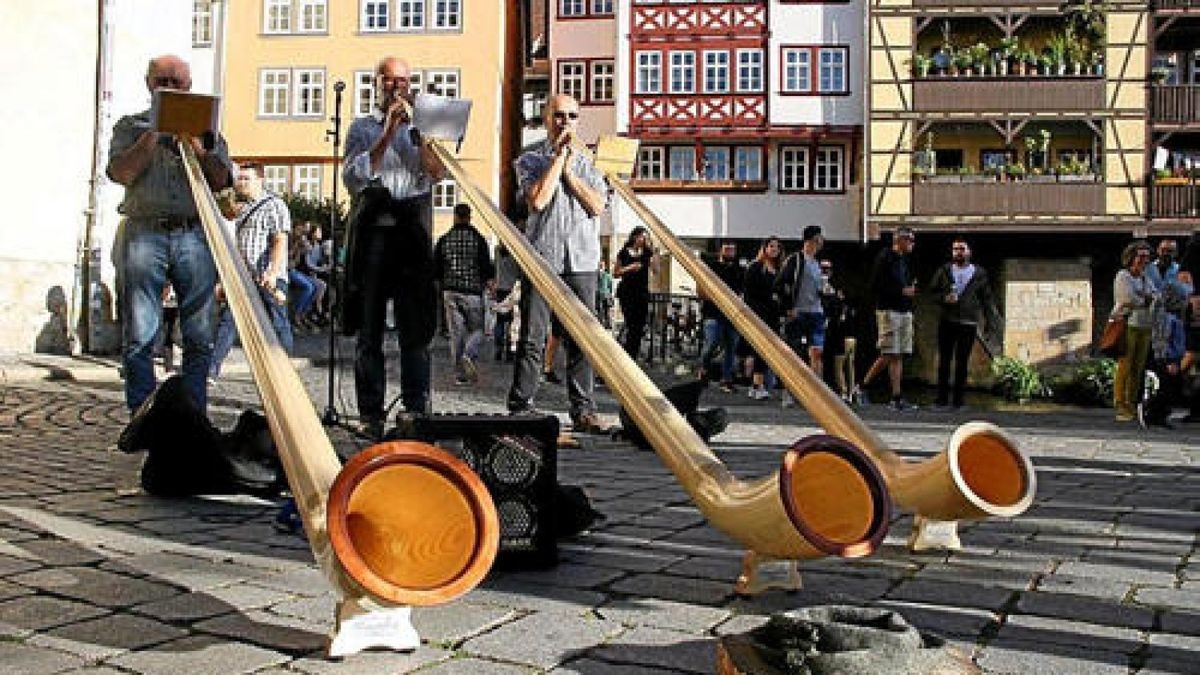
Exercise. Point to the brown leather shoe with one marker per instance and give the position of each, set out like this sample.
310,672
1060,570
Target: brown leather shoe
589,423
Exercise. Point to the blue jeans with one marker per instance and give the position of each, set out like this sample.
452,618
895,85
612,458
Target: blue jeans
154,256
227,330
718,331
305,290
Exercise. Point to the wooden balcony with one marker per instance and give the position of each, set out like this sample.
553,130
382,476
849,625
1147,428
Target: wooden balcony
1175,104
1082,93
1175,5
948,4
666,185
1175,201
1014,198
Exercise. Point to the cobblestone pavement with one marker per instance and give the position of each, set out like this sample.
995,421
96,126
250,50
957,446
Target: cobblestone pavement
1100,576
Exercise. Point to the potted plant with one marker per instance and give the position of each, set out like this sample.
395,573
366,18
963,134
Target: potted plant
1159,74
1074,51
1008,53
1015,171
1056,49
944,176
980,57
920,65
964,62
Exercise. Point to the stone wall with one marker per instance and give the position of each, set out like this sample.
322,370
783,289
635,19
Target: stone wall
1047,310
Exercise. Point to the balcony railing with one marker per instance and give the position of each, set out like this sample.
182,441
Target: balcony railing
987,3
697,185
1175,4
1175,103
1080,93
1015,198
1175,201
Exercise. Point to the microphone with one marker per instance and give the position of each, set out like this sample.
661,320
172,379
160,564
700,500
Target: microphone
339,87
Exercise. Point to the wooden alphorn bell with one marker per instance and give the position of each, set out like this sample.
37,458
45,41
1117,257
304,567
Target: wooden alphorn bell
981,472
403,523
826,499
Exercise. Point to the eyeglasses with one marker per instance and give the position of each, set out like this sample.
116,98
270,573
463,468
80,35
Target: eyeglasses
560,115
166,81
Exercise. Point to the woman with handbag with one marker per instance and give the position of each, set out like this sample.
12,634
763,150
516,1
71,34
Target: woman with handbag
1133,297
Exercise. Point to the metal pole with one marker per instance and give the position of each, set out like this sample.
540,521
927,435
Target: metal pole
335,134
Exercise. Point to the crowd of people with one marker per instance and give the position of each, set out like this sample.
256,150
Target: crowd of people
392,264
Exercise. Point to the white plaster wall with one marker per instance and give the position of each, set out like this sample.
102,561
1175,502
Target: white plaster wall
817,24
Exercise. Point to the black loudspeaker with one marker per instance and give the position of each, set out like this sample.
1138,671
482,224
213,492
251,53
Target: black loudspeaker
517,458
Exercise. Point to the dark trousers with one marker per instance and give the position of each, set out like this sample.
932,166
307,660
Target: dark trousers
535,321
955,341
500,329
413,301
227,332
635,309
1170,392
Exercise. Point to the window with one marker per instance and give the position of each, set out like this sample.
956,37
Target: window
602,82
275,178
716,163
445,195
314,16
410,15
682,163
797,70
375,15
202,23
750,70
310,92
307,180
442,82
996,159
747,164
828,172
650,163
948,159
273,87
716,72
447,14
573,8
683,75
793,169
277,17
602,7
833,70
364,92
649,72
570,79
416,81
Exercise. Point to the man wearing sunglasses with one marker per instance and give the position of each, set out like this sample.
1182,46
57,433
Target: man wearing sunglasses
566,194
161,240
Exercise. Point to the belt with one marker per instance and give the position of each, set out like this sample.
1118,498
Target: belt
172,222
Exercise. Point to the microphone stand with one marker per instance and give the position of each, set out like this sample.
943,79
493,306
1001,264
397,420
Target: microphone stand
330,416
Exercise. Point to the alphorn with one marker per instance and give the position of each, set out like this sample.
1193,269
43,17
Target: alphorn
827,498
404,523
981,472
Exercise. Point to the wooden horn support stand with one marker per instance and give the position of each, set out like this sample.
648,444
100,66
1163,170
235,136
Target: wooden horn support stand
981,473
827,497
404,523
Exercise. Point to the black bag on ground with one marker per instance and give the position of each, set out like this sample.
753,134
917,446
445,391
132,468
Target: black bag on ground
573,512
187,455
686,399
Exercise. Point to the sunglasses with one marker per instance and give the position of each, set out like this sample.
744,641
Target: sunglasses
163,81
559,115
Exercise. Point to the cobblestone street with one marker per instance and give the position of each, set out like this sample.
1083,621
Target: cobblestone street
1099,576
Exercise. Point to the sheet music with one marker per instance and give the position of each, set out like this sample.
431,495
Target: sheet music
441,117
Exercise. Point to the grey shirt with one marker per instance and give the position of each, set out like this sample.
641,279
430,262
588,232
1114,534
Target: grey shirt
1133,298
162,189
808,286
400,171
563,232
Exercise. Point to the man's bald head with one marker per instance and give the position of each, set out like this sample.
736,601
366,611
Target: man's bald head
168,72
391,80
561,114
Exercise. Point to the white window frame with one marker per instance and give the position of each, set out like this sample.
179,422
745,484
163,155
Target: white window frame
747,163
797,70
319,16
308,92
828,167
279,21
602,82
716,163
410,15
651,162
716,71
601,7
750,70
202,23
416,81
442,81
370,13
275,178
795,180
682,157
364,92
278,92
445,195
306,180
572,7
649,73
447,14
577,77
831,69
682,79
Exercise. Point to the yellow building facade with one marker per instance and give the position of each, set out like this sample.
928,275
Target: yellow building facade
284,57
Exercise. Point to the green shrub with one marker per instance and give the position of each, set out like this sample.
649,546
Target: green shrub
1090,383
314,210
1017,380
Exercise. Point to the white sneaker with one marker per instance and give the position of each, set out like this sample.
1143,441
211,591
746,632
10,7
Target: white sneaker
761,394
786,400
